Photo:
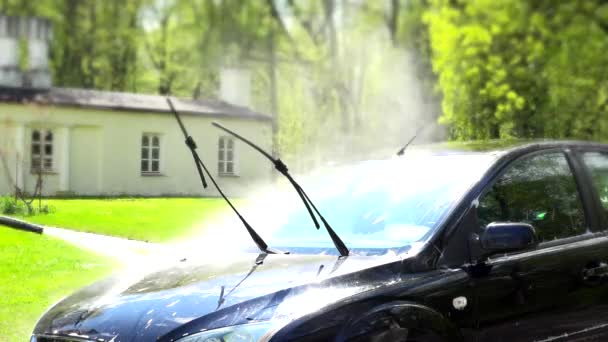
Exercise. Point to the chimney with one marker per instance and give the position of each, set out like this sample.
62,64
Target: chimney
38,33
10,73
235,86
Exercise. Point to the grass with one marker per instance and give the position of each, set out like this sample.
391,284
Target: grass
150,219
35,272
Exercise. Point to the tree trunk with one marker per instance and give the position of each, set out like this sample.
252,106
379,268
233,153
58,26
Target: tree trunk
89,77
70,66
393,20
274,106
164,84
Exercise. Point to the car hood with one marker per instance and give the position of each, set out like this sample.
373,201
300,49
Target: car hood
144,305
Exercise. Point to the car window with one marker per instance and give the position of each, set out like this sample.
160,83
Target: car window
376,207
539,190
597,163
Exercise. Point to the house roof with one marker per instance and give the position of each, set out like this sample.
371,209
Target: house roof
100,99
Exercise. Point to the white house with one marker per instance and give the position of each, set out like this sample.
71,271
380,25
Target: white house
100,143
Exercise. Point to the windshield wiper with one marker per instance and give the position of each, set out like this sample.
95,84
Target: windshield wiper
200,166
282,168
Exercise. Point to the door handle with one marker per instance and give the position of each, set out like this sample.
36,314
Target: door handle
596,273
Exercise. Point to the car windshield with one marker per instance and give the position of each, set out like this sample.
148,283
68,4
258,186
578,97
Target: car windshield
374,206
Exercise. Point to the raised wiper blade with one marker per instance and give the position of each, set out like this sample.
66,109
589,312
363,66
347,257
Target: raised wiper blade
402,150
282,168
201,167
190,143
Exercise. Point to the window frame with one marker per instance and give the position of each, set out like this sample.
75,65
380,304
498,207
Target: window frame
600,221
459,238
42,155
149,160
575,168
225,161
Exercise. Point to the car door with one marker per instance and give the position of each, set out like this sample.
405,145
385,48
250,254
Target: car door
554,291
594,166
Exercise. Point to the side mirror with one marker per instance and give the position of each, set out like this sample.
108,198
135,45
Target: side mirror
510,236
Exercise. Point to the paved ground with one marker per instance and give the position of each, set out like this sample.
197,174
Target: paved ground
123,250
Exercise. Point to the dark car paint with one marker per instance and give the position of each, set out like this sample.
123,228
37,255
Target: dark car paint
534,292
166,299
539,294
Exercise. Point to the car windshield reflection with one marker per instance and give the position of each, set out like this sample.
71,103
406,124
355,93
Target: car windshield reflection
376,207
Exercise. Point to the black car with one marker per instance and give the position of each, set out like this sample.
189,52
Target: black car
507,245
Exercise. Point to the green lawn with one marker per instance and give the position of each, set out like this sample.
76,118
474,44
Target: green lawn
149,219
35,272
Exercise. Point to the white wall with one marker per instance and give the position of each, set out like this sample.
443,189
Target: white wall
8,152
98,152
86,164
11,148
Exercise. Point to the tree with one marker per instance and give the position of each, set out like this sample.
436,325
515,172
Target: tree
520,69
94,43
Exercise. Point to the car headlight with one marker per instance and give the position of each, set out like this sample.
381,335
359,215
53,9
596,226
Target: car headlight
253,332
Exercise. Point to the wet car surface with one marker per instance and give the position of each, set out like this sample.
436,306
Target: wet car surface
517,251
171,297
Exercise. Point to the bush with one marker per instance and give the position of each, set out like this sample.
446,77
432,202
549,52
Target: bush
10,206
45,209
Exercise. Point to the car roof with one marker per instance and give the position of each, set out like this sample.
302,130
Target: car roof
504,146
494,148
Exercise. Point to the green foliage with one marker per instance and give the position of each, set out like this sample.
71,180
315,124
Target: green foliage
46,209
23,54
95,43
11,206
515,68
362,88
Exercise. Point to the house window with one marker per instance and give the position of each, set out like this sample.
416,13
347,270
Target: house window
225,156
150,153
42,150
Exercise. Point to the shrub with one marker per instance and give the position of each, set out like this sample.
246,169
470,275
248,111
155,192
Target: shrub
10,206
46,209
